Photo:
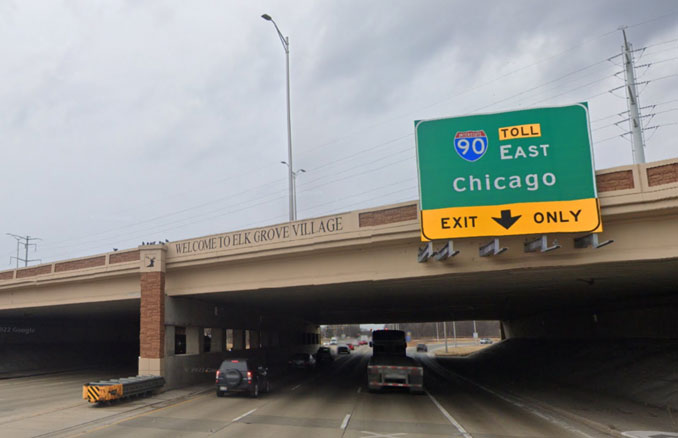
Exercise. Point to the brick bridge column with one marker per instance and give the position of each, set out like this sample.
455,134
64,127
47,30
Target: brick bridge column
152,324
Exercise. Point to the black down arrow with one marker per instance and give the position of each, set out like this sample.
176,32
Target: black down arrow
506,220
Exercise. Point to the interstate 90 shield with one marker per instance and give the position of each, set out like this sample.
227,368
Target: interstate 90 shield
470,145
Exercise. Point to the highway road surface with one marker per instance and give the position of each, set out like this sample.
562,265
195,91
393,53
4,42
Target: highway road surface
330,402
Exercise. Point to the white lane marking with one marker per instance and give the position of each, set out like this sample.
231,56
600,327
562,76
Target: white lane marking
295,387
449,417
243,415
648,434
514,400
359,388
530,409
381,435
345,422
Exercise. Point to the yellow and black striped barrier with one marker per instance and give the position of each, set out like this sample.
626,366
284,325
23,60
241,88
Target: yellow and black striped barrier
115,389
100,393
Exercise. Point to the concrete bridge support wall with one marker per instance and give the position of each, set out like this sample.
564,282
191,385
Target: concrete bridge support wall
656,320
185,339
152,317
270,345
34,345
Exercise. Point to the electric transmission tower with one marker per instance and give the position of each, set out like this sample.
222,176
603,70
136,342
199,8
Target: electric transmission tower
637,141
26,242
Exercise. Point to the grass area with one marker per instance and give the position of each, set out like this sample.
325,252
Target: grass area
461,350
429,341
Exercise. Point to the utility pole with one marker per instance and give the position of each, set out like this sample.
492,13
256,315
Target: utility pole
445,333
26,243
454,332
638,144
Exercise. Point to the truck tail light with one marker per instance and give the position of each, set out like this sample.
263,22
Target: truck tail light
249,376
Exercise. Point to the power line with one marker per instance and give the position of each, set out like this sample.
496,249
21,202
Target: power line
203,217
662,78
333,201
67,244
541,85
650,20
465,91
662,43
596,142
477,87
600,119
588,84
193,208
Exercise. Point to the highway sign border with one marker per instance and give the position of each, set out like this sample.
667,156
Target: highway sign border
583,105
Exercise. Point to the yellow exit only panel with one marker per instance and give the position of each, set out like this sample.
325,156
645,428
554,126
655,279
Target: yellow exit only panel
512,219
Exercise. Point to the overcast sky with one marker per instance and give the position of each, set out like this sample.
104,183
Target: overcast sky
131,121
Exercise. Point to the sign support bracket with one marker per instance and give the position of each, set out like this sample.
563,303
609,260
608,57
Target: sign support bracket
540,244
491,249
590,240
446,252
425,252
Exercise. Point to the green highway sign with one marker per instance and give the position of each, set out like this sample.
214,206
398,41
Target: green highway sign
518,172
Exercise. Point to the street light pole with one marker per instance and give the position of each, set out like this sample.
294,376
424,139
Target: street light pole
286,45
294,186
294,190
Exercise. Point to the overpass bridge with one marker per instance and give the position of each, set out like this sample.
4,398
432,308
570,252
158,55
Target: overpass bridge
266,290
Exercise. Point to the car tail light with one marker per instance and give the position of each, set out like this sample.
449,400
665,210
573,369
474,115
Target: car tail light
249,376
218,374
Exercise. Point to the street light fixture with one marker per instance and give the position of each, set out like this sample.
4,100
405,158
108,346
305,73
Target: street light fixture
286,45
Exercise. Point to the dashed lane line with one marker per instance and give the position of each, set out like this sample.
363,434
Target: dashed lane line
113,421
344,423
236,419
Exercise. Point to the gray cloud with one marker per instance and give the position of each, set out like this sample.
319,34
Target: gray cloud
132,121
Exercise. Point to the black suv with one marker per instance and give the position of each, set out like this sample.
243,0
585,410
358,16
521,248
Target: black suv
324,354
242,375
